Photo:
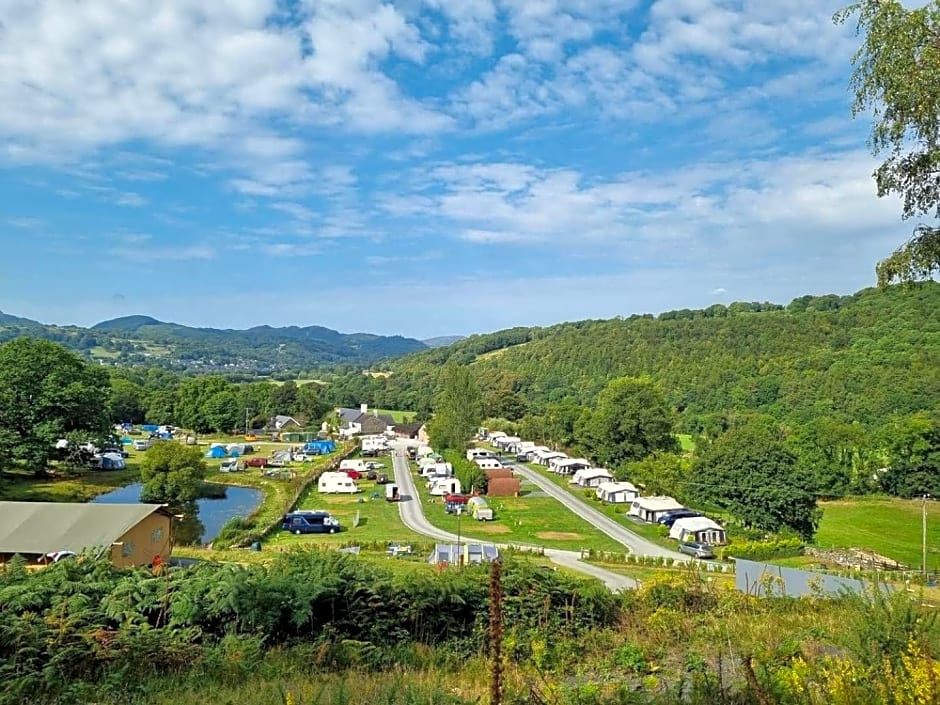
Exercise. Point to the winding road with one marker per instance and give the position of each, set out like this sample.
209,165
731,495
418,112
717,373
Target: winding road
412,515
636,543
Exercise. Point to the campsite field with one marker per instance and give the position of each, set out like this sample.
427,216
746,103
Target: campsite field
379,521
529,520
889,526
617,512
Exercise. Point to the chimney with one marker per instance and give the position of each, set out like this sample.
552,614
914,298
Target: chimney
363,408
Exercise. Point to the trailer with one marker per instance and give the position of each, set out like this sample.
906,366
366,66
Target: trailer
336,483
392,494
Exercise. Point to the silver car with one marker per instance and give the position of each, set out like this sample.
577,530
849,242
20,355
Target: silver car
697,550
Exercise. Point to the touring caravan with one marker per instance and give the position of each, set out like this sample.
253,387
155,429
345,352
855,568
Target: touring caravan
437,470
488,464
336,483
444,485
354,464
477,453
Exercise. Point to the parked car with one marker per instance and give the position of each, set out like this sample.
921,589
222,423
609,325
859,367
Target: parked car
141,444
256,462
310,522
372,465
381,479
119,451
230,465
669,518
353,474
696,549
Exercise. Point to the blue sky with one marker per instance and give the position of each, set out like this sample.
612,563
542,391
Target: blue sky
428,167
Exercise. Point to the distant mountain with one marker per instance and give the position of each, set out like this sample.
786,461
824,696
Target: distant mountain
442,341
262,349
8,320
127,323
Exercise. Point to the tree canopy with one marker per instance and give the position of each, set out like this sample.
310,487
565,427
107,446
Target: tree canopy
172,472
629,422
897,77
751,473
458,409
47,393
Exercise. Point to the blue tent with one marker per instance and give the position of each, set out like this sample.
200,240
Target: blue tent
149,427
320,447
216,452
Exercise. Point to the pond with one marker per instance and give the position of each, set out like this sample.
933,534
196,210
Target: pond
203,519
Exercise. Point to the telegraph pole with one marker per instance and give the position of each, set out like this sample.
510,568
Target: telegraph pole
924,538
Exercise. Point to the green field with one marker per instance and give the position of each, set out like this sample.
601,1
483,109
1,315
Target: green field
891,527
398,415
379,521
617,512
540,521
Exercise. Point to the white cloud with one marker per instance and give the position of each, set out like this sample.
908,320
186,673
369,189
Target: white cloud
738,211
186,73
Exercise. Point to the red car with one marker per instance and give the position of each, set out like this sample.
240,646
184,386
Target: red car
353,474
256,462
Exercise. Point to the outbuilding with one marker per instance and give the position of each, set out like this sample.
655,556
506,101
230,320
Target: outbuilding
129,534
652,508
700,529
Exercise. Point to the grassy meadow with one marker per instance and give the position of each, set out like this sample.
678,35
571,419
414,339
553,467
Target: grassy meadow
889,526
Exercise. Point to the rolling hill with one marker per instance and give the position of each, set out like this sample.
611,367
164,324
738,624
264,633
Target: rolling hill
262,349
860,358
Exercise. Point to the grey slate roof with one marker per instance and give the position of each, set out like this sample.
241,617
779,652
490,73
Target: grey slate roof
349,415
43,527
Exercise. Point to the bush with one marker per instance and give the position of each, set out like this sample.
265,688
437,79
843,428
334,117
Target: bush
761,550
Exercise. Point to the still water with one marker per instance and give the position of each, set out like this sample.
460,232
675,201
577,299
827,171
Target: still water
202,519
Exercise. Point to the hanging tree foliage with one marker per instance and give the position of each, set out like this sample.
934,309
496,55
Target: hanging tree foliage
897,77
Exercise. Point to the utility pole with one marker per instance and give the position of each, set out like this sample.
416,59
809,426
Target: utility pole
924,538
246,420
459,553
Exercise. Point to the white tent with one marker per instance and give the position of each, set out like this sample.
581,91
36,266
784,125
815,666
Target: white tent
651,508
617,492
698,529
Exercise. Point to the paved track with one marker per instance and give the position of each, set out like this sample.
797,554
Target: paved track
412,515
619,533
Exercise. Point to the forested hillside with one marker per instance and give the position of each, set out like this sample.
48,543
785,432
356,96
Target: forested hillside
864,357
142,340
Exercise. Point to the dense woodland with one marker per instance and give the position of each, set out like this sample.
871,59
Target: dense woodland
862,358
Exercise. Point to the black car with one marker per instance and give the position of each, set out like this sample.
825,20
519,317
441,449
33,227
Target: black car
669,518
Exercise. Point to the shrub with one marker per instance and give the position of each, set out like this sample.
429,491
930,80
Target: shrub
762,550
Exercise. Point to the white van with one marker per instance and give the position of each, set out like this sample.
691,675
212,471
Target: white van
141,444
336,483
230,465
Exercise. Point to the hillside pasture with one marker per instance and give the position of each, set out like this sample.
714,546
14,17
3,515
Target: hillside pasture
889,526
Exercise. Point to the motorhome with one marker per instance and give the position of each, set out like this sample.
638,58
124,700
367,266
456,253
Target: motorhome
310,522
336,483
